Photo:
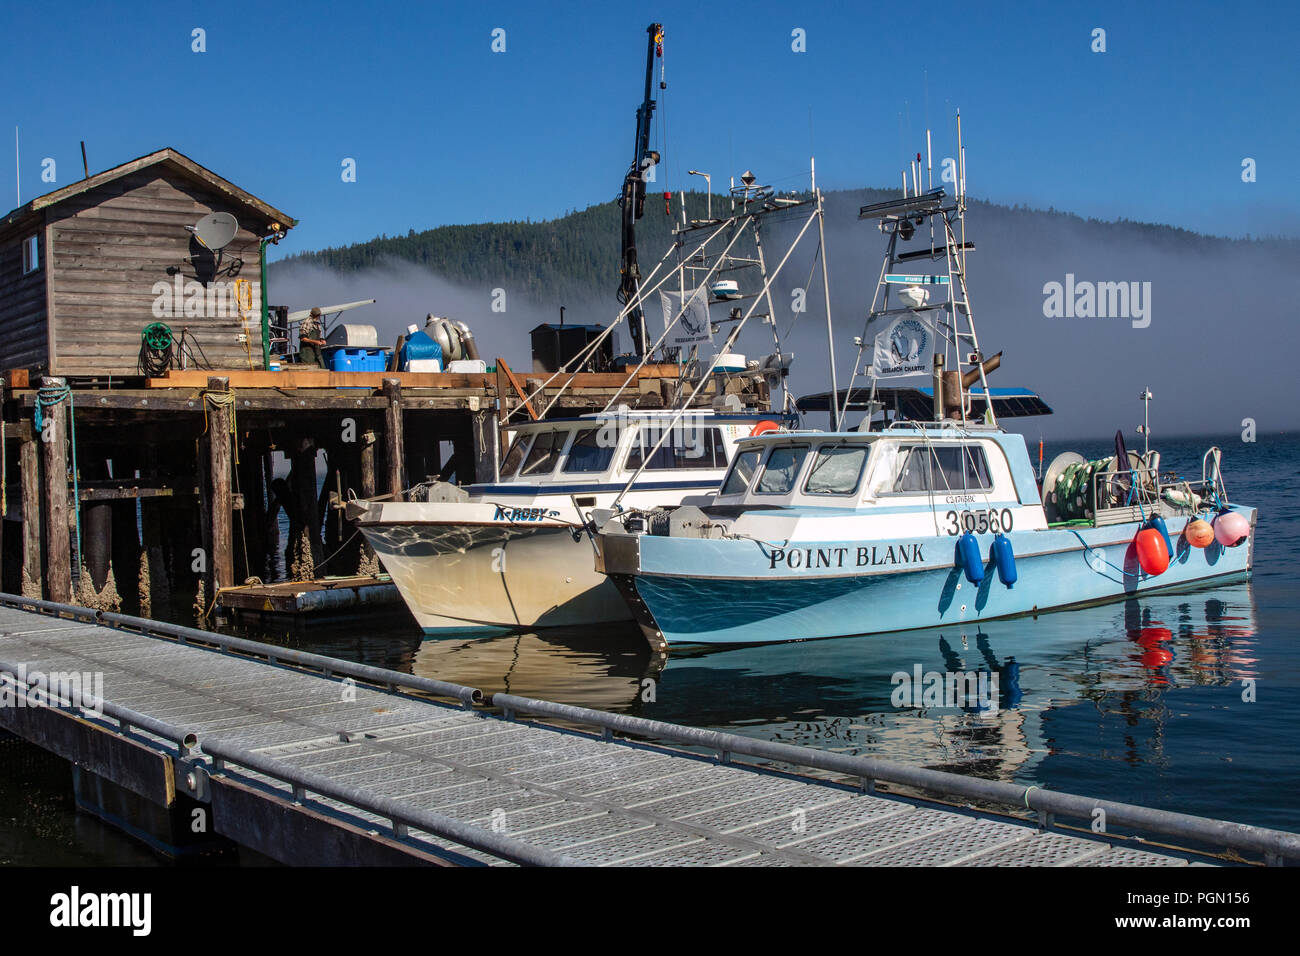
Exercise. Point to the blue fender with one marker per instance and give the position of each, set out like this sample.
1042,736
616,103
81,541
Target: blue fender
1158,523
1004,559
969,559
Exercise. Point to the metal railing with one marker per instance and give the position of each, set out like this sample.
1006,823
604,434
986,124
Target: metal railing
315,663
402,818
1273,845
1145,490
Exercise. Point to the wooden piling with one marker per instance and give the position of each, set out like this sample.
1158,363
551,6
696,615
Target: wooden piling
155,581
394,440
58,551
29,468
126,554
97,541
221,502
253,518
368,441
303,552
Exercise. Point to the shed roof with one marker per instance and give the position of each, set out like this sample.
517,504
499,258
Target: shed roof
176,161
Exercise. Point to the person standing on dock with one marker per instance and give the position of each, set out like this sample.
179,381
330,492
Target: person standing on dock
309,340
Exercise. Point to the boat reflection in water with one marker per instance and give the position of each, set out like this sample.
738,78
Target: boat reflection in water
841,694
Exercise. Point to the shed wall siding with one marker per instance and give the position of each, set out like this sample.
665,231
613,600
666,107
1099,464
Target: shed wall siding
22,304
109,251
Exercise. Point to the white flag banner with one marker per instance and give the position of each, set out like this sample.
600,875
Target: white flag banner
903,347
693,327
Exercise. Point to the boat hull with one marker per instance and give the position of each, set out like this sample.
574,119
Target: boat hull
490,578
742,591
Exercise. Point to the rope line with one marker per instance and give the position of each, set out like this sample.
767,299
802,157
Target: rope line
50,396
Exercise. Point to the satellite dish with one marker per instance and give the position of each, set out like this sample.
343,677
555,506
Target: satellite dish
215,230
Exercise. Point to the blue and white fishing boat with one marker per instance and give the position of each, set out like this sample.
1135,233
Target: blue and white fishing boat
907,523
822,534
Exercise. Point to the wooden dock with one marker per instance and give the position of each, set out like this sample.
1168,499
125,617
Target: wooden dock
310,760
125,483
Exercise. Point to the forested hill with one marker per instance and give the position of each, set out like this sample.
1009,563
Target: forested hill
1205,300
575,257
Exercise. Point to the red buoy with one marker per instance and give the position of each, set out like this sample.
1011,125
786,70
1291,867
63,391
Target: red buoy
1153,556
765,426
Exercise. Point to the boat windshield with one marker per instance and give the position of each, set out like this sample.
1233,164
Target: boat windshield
544,453
590,452
741,471
515,456
781,470
925,468
836,470
688,446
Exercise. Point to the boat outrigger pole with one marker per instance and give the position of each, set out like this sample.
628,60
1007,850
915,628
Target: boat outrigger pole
632,199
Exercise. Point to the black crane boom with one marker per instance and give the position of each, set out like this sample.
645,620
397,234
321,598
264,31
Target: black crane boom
632,198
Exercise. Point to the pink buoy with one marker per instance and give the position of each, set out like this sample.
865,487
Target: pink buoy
1231,529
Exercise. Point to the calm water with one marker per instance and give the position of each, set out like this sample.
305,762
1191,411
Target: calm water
1140,701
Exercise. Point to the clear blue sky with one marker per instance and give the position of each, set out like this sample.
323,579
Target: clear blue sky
443,130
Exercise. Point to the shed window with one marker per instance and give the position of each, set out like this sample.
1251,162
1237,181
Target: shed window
31,254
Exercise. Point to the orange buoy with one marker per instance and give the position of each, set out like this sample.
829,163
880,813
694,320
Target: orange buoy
1199,533
1152,555
765,426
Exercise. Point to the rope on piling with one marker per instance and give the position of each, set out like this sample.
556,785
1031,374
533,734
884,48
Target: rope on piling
49,396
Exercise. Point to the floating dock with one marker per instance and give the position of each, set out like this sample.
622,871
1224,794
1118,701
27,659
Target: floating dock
311,760
305,597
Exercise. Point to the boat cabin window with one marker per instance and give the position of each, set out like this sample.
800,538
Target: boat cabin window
591,452
742,470
544,453
515,456
947,468
781,470
836,470
688,446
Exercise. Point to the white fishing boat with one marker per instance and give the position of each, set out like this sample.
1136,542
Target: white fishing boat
511,553
930,514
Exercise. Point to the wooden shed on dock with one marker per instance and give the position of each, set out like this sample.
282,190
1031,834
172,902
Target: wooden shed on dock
85,268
